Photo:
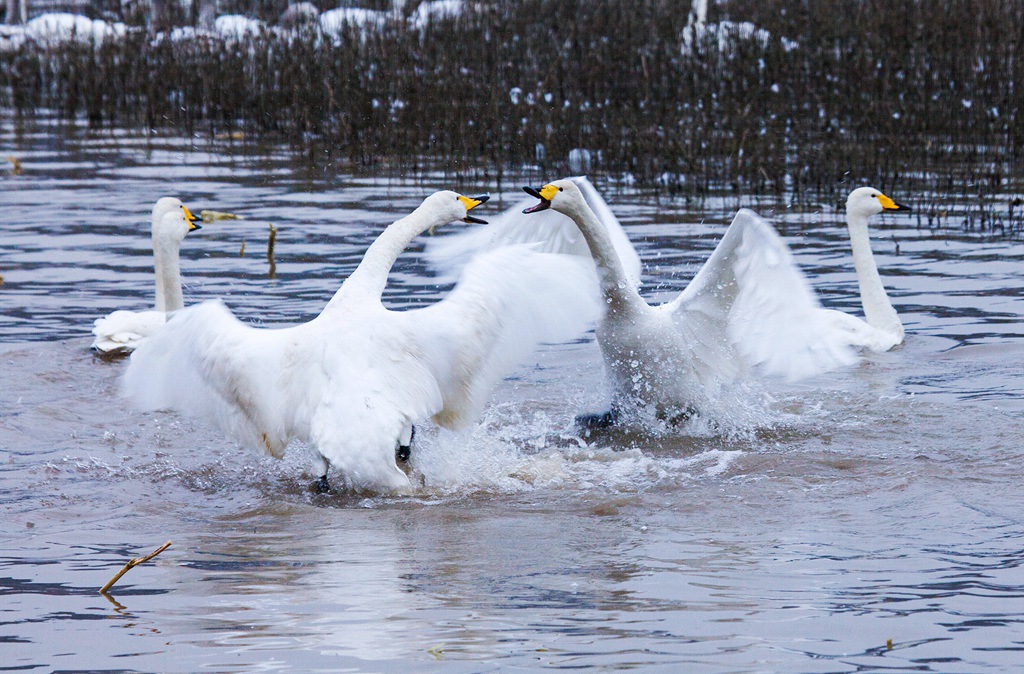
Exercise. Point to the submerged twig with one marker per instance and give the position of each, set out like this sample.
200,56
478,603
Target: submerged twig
270,250
132,563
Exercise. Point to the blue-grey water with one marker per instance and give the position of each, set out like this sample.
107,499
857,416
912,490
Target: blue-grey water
874,522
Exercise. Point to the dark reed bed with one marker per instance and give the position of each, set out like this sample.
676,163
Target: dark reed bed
921,91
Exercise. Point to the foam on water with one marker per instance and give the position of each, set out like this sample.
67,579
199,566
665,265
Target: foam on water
513,450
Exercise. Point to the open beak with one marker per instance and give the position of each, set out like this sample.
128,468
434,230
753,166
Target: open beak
545,195
890,205
193,221
472,202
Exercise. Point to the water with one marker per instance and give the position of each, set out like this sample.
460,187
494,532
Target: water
880,503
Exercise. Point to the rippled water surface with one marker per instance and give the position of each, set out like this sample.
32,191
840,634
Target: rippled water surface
873,522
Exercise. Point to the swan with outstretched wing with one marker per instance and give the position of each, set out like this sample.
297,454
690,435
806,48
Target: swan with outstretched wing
352,381
748,307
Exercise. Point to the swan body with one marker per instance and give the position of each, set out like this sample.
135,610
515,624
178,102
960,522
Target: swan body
881,328
122,331
352,381
749,306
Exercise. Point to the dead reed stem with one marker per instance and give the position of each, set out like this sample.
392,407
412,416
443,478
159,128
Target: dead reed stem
270,250
821,96
132,563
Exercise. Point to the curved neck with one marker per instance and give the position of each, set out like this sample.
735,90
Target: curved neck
619,294
369,278
168,273
878,310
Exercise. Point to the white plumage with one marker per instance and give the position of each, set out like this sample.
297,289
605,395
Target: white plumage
354,379
122,331
549,230
749,306
881,328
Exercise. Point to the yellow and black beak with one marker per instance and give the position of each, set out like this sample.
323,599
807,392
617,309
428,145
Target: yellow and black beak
545,194
472,202
190,219
890,205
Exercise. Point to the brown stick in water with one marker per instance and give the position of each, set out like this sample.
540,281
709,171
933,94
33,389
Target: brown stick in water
270,251
132,563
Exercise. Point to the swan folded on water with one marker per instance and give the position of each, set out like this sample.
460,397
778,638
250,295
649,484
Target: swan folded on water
122,331
354,379
749,306
881,328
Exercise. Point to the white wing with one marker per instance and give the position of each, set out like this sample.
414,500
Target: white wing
353,379
504,305
554,232
348,381
751,297
122,331
259,386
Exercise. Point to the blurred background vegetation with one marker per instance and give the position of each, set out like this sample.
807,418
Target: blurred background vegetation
761,96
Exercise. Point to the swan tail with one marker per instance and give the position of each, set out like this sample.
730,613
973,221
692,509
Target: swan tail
358,434
122,331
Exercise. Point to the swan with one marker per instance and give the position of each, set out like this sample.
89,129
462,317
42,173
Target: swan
122,331
881,328
748,306
352,381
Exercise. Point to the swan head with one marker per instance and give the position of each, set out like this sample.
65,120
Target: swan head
175,223
172,206
864,202
560,195
451,206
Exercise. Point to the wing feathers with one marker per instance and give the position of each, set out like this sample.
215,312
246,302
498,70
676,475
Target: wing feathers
751,295
504,305
207,363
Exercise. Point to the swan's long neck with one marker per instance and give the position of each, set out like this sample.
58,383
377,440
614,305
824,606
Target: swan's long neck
370,277
878,310
619,294
167,269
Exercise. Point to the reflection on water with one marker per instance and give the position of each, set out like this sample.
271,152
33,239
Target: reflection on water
879,503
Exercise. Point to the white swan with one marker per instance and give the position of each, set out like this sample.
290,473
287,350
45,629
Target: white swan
749,305
353,380
122,331
881,328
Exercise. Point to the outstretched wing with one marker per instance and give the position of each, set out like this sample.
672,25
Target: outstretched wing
503,306
751,296
552,231
260,386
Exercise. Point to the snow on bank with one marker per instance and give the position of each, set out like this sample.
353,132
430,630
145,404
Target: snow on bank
58,27
724,36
